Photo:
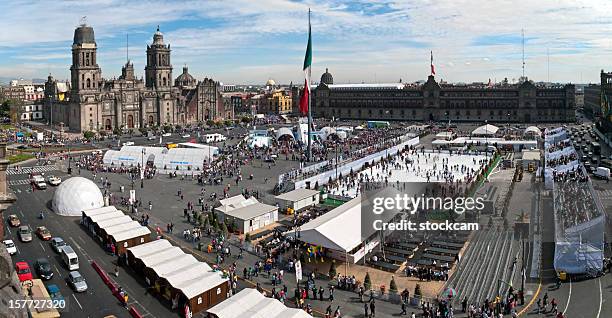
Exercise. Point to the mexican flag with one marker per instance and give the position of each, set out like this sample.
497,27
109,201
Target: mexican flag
306,69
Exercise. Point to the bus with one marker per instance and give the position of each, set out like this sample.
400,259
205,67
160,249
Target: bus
378,124
42,305
595,148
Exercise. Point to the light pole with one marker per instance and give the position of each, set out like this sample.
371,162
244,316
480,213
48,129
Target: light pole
142,168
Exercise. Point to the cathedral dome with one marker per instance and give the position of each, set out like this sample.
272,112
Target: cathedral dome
84,34
185,79
158,37
327,78
270,82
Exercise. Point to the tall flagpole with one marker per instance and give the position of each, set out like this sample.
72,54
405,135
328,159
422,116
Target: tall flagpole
309,105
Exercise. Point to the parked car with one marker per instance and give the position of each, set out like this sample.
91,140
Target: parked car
55,294
54,180
43,268
166,134
23,271
186,136
10,247
25,234
57,243
77,282
43,233
14,220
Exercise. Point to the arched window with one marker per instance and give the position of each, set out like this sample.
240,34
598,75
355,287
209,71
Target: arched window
164,81
88,83
86,59
108,124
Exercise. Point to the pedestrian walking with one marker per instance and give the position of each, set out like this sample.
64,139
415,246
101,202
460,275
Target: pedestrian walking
403,309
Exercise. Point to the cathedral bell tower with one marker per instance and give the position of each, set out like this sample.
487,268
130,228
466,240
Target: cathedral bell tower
158,72
85,73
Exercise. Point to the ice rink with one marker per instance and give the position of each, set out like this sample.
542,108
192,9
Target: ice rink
416,167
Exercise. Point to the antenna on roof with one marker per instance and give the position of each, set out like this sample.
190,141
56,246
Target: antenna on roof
523,37
83,21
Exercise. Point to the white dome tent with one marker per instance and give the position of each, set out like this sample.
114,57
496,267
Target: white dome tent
533,130
485,130
75,195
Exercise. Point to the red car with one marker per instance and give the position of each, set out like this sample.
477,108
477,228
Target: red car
23,271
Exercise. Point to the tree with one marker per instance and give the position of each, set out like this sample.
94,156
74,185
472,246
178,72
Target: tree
210,122
245,119
417,290
247,237
117,131
143,131
88,134
224,229
367,282
167,129
228,122
332,269
392,285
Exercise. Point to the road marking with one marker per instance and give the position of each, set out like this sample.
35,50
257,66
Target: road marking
58,271
8,228
535,296
80,249
41,246
21,213
569,296
600,298
77,301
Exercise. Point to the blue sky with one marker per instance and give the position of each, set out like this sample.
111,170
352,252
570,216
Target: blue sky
242,41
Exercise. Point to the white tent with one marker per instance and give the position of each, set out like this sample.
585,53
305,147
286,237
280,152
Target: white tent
487,129
533,130
283,131
338,229
76,195
251,303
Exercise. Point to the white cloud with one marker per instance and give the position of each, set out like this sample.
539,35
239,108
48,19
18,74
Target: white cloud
389,38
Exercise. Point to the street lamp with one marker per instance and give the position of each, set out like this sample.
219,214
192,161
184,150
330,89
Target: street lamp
69,159
142,168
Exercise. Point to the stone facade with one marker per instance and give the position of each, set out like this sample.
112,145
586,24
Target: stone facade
605,121
96,104
432,101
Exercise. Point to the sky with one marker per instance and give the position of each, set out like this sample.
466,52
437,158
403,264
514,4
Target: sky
373,41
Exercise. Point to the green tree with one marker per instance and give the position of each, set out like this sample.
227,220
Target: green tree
117,131
367,282
143,131
224,229
393,285
167,129
210,122
228,122
245,119
247,237
332,269
88,134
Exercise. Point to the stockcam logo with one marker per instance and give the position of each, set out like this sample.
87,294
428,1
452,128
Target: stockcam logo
423,206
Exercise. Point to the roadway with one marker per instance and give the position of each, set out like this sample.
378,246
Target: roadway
98,300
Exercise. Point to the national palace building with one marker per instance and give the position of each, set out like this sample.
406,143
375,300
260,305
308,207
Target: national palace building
94,104
523,102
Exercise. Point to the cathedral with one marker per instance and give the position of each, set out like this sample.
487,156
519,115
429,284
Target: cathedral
127,102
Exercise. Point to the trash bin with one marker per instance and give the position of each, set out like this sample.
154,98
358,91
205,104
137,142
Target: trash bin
563,276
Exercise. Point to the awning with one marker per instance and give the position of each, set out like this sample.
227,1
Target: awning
487,129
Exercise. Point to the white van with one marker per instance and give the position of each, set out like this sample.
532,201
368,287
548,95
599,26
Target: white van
128,143
70,258
603,173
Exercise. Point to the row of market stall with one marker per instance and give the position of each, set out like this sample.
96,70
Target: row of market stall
189,285
111,227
